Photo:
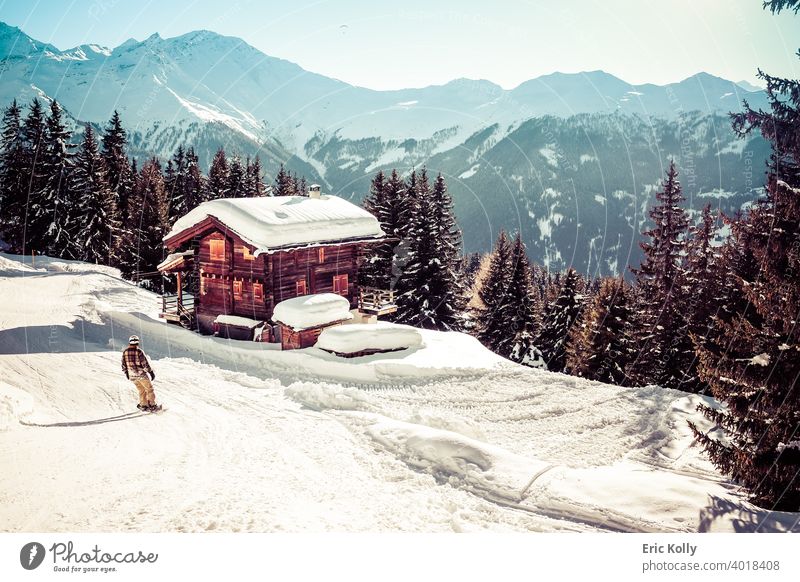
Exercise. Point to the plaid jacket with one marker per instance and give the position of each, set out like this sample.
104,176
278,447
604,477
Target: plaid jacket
134,363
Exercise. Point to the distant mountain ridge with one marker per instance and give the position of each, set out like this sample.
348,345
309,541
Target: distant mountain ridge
536,158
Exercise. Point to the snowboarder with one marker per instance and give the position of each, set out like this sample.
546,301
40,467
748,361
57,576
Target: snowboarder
137,368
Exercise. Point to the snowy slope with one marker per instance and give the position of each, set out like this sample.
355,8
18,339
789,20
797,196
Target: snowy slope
446,437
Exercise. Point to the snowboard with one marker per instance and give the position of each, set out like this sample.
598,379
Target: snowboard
158,408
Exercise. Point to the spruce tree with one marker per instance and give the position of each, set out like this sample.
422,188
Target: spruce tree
429,290
601,343
116,163
149,215
751,357
491,315
194,183
521,313
559,318
34,216
59,207
380,267
702,292
218,176
174,177
284,184
663,338
96,217
300,186
237,186
256,178
376,268
12,187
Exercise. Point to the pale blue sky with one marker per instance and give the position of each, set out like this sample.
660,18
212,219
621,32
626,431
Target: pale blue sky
414,43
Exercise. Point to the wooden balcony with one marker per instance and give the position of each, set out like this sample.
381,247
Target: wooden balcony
179,309
374,301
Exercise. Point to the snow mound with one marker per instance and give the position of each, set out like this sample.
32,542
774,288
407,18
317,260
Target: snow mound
459,460
347,339
11,268
312,310
270,223
322,396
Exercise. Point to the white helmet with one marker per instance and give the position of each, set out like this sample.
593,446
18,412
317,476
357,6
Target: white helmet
133,340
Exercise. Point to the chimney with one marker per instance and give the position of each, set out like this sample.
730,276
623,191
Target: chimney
314,191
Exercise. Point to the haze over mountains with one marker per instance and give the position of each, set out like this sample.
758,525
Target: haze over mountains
539,157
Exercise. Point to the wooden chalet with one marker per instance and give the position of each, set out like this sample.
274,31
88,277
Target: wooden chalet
243,256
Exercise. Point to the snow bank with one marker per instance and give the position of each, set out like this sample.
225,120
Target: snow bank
312,310
11,268
347,339
457,459
270,223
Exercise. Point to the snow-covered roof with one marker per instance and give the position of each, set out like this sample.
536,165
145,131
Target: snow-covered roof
274,223
174,260
237,320
309,311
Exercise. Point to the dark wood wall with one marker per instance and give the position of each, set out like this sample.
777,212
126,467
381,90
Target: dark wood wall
278,273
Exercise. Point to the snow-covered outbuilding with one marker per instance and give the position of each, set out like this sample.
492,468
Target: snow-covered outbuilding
243,256
302,319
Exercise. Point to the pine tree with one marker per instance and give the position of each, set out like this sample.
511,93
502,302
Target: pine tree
149,214
218,176
300,186
97,217
751,357
376,269
183,183
517,342
173,183
284,184
702,290
381,267
491,315
236,187
34,211
559,318
115,162
194,183
601,344
254,178
665,350
59,207
11,177
429,290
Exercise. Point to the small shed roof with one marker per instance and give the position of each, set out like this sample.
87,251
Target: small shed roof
309,311
276,223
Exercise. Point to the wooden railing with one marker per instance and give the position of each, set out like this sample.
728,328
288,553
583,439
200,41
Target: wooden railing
376,301
182,311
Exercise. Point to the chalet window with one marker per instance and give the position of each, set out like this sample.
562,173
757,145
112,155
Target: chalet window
258,292
340,284
321,254
300,287
248,256
237,290
217,250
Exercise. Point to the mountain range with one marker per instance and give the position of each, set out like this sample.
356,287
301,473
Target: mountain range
568,159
